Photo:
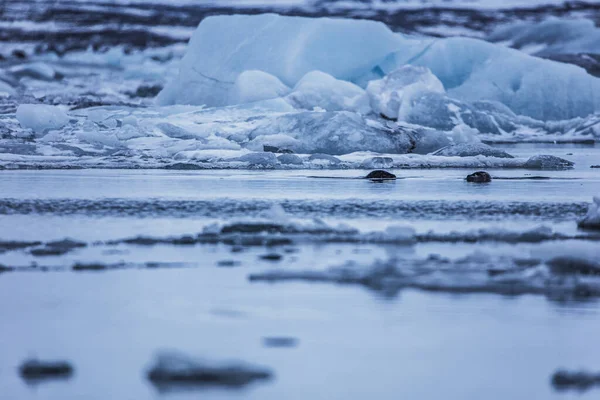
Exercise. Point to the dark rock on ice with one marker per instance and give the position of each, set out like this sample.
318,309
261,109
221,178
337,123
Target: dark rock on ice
147,91
37,369
479,177
271,257
470,150
379,175
579,380
289,159
20,54
280,341
174,369
275,149
548,162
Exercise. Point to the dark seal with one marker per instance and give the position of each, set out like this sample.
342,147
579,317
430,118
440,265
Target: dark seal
380,175
479,177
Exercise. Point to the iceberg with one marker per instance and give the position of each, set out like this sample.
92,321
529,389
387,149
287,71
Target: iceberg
287,47
473,70
359,51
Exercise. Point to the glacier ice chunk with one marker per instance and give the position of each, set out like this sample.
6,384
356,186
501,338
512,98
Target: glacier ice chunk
392,95
318,89
471,149
222,47
251,86
472,70
41,117
552,36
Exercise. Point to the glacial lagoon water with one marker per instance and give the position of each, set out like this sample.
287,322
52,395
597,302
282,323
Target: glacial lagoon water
351,342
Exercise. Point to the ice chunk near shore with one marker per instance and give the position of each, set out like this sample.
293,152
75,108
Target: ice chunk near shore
222,47
392,95
41,117
318,89
592,218
334,133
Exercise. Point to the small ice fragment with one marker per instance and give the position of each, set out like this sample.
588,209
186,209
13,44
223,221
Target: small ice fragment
392,95
471,149
548,162
41,117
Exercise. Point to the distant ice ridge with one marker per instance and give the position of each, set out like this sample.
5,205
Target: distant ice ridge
552,36
288,48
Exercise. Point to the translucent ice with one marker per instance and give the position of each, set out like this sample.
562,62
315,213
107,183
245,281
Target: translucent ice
41,117
255,85
474,70
318,89
552,36
287,47
392,95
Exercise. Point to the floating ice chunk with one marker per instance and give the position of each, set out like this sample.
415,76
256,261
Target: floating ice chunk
592,218
289,159
260,159
318,89
41,117
392,95
548,162
255,85
473,70
338,132
471,149
287,47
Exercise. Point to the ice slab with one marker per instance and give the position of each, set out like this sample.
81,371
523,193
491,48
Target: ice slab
287,47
